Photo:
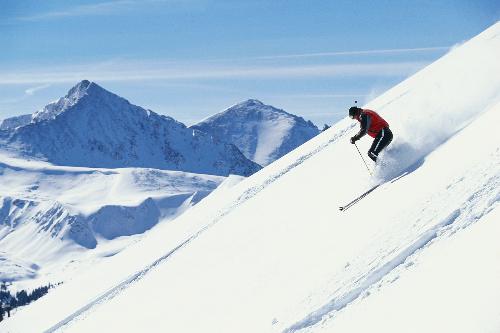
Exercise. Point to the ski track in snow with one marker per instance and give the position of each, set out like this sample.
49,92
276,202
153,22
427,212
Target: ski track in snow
246,195
477,205
117,289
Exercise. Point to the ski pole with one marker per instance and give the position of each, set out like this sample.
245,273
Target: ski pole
369,171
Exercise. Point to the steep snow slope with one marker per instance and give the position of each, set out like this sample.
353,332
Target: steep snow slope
94,128
52,216
451,287
274,254
261,132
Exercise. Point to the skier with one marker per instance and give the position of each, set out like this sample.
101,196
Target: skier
375,126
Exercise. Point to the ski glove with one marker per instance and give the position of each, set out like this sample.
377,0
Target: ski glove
354,139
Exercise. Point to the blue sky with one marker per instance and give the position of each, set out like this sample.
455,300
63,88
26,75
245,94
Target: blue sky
192,58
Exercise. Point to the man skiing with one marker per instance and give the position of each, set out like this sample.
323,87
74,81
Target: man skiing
375,126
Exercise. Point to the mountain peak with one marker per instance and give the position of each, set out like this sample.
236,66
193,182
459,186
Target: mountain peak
261,132
249,103
85,87
79,90
80,86
74,95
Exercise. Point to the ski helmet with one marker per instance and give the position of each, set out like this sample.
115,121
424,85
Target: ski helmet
353,111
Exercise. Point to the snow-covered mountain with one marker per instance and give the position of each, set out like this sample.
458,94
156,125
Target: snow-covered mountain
56,220
273,253
54,217
94,128
13,122
261,132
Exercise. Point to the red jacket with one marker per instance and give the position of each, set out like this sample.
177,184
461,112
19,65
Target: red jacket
371,123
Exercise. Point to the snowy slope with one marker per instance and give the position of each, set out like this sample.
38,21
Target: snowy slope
53,216
273,253
261,132
94,128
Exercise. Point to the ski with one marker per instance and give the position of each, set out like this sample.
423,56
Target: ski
352,203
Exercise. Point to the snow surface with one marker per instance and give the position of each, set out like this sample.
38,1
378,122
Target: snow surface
272,253
53,218
261,132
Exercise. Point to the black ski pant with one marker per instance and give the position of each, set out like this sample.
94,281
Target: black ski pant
382,140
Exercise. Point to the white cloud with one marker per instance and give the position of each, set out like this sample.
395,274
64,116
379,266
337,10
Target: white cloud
81,10
33,90
362,52
321,96
168,71
102,8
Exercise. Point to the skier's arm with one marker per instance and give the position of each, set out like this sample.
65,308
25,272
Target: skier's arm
365,125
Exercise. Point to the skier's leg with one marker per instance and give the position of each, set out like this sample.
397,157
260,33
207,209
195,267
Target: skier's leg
376,143
384,141
372,155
